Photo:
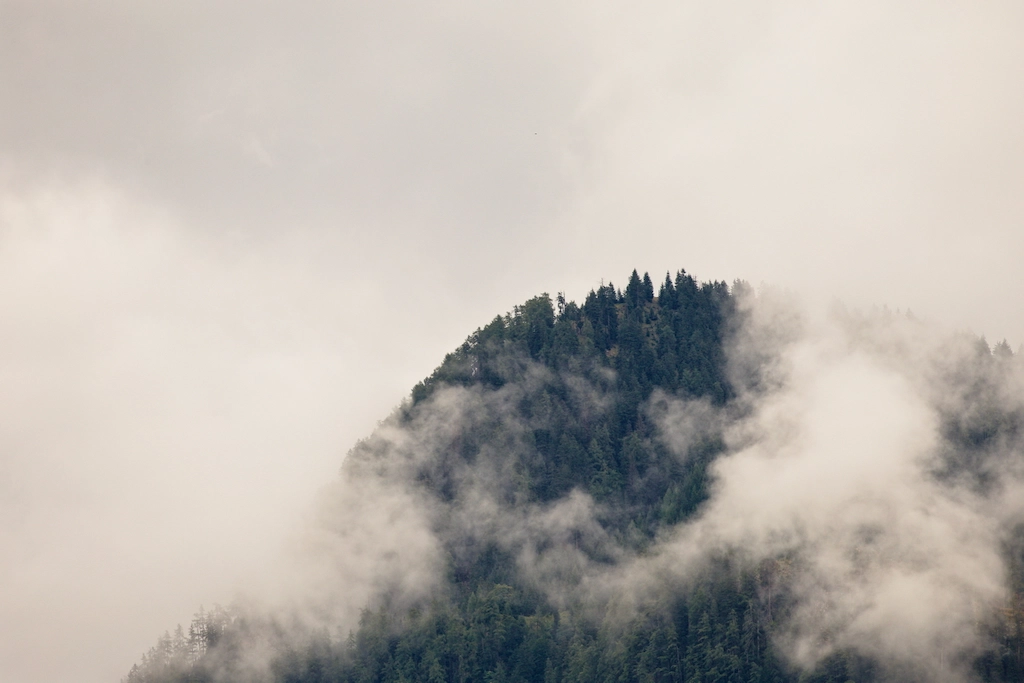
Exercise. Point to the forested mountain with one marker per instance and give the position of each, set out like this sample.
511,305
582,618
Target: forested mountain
530,514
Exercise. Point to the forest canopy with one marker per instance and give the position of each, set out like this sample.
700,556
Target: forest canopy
550,505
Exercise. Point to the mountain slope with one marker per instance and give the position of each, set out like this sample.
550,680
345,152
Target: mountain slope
544,509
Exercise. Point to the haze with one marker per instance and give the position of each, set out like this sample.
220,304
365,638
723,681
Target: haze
233,235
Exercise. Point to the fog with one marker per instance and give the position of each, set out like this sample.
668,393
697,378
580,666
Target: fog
233,235
839,475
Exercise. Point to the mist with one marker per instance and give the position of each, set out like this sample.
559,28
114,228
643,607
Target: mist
839,475
231,239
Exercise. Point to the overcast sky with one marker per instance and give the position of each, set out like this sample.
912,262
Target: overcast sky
234,234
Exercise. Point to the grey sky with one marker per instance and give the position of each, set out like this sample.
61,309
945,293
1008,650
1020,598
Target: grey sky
234,234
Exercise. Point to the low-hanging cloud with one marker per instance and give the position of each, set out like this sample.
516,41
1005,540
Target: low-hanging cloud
836,476
417,488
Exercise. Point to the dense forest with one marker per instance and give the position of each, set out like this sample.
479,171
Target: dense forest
536,459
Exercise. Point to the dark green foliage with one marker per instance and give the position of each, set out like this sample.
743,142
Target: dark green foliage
673,343
582,376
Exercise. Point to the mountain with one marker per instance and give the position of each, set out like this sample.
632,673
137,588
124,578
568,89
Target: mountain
693,483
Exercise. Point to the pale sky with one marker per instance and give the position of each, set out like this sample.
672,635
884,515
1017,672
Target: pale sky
234,234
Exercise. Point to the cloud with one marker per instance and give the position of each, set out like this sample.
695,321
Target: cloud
456,466
835,473
170,410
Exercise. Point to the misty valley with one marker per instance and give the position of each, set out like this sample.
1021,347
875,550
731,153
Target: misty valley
677,482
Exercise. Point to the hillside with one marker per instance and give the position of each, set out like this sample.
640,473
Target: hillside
564,499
